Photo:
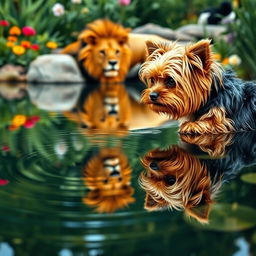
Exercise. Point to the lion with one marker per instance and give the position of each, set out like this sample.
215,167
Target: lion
107,51
107,109
108,177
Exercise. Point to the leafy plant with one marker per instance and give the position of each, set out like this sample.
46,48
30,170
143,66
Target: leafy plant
245,36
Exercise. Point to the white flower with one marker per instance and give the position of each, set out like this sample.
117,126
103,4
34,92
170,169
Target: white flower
60,148
234,60
76,1
58,9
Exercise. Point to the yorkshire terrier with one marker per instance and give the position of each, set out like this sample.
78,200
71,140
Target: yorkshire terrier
186,83
183,177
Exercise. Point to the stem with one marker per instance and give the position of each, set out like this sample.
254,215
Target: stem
122,15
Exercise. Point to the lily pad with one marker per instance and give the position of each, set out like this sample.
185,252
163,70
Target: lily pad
249,178
229,218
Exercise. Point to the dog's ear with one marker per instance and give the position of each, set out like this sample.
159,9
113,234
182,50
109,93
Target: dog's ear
88,37
153,205
200,51
150,203
151,47
161,46
200,211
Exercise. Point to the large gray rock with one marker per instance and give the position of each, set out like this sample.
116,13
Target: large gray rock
200,31
167,33
54,97
54,68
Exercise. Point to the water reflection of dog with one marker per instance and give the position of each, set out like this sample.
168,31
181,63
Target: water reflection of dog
181,178
108,177
107,108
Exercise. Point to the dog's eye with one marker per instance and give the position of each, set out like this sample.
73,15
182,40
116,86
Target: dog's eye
102,52
117,51
154,166
170,82
152,80
169,180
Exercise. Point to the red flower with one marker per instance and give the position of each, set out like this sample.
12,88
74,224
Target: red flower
34,47
4,23
13,127
3,182
35,118
5,148
25,44
28,31
29,124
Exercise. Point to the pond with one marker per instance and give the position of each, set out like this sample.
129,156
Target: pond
88,170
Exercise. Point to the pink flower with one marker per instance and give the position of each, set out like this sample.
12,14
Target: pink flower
35,47
124,2
28,31
3,182
4,23
5,148
29,124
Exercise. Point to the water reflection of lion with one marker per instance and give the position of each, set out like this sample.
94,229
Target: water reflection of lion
106,109
108,177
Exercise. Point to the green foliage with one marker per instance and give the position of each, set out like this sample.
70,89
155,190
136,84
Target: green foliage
249,178
171,13
245,36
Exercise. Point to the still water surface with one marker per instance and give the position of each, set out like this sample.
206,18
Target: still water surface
88,170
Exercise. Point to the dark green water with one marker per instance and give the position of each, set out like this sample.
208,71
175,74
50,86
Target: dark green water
58,195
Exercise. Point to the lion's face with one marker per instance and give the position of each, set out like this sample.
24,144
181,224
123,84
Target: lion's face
106,55
108,176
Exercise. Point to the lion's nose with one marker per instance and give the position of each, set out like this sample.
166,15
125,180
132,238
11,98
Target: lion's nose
112,62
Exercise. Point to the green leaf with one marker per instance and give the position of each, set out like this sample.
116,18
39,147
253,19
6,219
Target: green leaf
249,178
229,218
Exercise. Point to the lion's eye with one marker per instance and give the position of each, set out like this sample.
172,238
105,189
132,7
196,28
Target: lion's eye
152,80
117,51
102,52
170,82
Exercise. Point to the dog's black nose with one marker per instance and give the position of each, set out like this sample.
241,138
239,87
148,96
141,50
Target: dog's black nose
153,96
154,166
112,62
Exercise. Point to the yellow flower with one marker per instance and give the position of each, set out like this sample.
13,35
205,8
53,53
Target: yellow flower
18,120
10,44
52,114
234,60
18,50
235,3
217,56
15,31
12,38
51,45
85,10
